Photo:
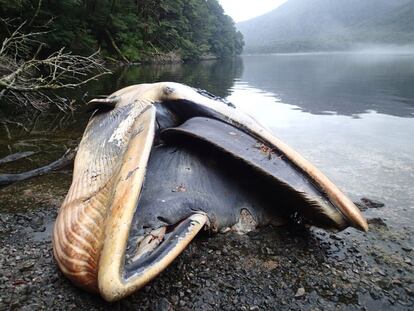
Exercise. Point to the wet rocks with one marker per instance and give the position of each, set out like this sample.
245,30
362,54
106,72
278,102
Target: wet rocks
163,305
378,222
369,203
300,292
366,203
283,268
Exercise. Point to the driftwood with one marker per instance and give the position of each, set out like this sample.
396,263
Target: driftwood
16,156
66,159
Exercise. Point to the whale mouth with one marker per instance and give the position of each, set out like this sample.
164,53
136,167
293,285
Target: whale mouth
161,162
211,166
163,245
205,172
209,170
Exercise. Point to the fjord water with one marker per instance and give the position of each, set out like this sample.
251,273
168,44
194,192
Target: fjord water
352,115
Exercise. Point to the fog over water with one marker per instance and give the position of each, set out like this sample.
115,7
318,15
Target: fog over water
390,49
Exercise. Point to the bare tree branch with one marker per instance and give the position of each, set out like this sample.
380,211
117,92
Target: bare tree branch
39,5
27,79
65,160
16,156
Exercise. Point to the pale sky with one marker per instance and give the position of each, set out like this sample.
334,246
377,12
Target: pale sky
241,10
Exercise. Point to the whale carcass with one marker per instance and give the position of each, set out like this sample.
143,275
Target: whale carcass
160,162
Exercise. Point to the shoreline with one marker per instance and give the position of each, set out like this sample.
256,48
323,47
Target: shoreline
170,58
283,268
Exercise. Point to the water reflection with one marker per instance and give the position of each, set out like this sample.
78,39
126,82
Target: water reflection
345,84
370,156
215,76
52,132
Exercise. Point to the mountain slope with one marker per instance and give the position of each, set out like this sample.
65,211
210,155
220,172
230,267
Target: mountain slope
303,25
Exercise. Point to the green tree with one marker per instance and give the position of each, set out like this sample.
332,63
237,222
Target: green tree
131,30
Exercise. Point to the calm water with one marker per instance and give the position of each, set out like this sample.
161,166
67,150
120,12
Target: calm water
351,115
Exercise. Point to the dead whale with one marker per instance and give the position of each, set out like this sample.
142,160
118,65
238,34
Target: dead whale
160,162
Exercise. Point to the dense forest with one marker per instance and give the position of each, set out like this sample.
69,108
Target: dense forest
326,25
129,30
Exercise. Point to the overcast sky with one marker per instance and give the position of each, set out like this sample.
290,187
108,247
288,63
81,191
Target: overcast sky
241,10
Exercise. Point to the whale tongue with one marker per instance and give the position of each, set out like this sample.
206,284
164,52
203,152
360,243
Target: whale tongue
152,258
308,200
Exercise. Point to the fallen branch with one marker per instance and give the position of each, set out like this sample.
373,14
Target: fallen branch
116,48
30,80
66,159
17,156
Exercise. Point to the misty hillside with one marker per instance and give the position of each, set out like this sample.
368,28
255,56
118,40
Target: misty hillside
303,25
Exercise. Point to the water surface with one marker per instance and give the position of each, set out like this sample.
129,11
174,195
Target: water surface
352,115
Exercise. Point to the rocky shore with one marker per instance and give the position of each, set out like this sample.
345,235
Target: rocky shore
284,268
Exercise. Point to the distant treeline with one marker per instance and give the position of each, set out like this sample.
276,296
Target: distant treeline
129,30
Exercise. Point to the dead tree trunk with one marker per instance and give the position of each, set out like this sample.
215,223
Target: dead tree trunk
66,159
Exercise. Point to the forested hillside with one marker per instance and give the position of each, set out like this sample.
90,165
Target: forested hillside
129,30
318,25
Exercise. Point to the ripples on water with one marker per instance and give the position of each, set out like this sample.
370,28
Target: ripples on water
352,115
